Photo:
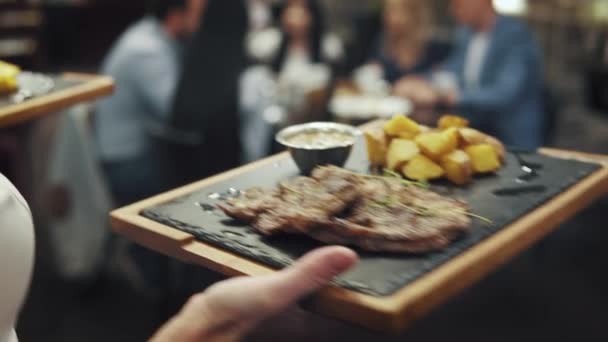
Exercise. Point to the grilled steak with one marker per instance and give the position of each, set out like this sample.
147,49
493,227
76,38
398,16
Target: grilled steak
303,202
394,218
297,206
341,207
251,204
340,182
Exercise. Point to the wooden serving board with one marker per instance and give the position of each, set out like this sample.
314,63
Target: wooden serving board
71,88
391,312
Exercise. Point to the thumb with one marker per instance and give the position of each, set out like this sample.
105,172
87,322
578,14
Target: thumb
310,273
238,304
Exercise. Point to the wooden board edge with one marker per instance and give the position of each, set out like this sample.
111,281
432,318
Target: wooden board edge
158,237
331,301
395,313
224,262
392,313
97,87
137,207
353,307
417,299
136,220
79,76
575,155
127,220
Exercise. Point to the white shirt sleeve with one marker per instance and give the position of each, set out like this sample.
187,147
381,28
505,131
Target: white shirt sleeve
16,256
475,57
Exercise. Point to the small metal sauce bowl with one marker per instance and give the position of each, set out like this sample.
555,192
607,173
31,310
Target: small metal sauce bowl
307,157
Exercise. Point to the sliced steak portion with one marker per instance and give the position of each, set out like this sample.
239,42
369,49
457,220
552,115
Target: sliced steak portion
412,213
394,218
339,182
305,202
295,207
341,207
251,204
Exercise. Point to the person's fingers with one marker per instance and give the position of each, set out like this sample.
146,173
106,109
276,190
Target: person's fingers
268,295
311,272
238,304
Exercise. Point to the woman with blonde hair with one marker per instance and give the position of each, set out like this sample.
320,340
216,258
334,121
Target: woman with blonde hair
406,46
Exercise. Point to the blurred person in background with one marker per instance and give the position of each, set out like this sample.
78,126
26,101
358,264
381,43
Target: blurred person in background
205,106
16,256
494,75
145,63
260,14
295,64
406,45
261,29
303,40
227,311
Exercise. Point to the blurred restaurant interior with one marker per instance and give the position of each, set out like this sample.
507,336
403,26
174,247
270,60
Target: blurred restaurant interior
216,101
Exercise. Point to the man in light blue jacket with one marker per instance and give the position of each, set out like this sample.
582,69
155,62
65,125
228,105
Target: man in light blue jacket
497,75
145,62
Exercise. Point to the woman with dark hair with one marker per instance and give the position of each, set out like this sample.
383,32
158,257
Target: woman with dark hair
303,38
294,63
303,27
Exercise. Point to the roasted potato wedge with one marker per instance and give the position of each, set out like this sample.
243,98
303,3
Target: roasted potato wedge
447,121
452,136
8,85
458,167
8,69
8,77
399,152
498,147
436,144
377,143
424,129
471,136
408,135
421,168
452,150
484,158
401,125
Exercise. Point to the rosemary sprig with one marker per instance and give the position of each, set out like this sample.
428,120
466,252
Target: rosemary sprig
389,202
467,213
393,174
422,211
390,174
479,217
288,188
430,211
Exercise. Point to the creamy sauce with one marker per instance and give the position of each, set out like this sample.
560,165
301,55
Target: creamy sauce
320,139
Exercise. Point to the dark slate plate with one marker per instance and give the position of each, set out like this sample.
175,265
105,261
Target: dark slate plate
377,274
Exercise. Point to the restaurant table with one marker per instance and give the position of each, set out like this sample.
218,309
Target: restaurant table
70,89
391,313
